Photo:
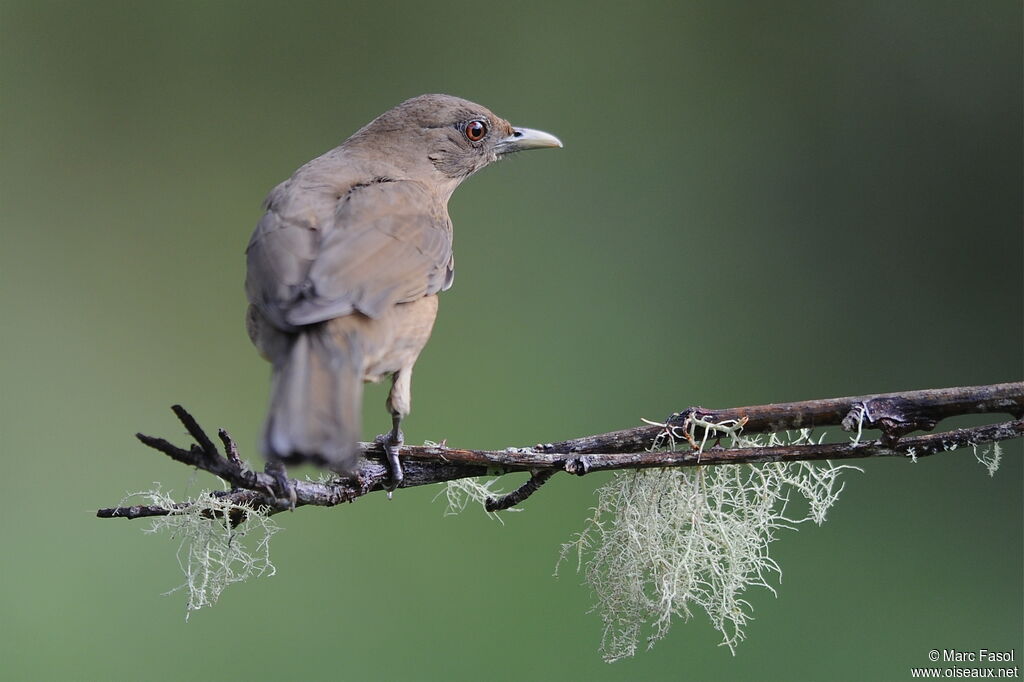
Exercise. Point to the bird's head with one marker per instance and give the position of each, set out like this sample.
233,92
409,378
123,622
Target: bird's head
446,135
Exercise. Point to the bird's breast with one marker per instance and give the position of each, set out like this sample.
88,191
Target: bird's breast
394,340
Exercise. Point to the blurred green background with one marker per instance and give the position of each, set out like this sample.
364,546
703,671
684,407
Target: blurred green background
756,202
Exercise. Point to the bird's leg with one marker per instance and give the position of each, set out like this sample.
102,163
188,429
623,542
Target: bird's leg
398,404
285,489
391,441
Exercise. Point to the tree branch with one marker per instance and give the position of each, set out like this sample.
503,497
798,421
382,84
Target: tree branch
893,414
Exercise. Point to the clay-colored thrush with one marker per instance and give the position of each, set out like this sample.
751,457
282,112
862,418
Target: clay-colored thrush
345,266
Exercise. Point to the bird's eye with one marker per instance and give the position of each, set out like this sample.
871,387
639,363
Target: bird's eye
475,131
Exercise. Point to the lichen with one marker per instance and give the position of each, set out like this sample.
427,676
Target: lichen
663,542
990,457
212,553
460,493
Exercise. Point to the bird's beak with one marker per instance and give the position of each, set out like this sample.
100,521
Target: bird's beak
522,139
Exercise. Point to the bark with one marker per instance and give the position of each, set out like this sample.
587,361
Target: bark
696,429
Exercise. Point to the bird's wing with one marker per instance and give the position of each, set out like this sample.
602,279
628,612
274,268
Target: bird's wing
388,242
280,252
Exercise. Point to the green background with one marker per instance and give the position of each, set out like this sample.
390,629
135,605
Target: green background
756,202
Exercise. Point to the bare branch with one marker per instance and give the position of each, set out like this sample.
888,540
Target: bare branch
894,414
931,405
916,446
237,497
537,479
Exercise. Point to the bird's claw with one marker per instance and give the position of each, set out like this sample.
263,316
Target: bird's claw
284,488
391,442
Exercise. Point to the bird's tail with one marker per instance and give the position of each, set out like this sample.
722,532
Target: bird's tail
316,401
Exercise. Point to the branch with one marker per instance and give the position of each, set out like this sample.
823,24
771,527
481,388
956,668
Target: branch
922,408
893,414
537,479
916,446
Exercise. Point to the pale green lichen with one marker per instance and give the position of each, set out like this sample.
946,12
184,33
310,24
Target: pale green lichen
989,457
662,542
460,493
861,413
671,434
212,554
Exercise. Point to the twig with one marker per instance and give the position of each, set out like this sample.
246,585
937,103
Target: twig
238,497
932,405
230,449
894,414
206,445
537,479
916,446
139,511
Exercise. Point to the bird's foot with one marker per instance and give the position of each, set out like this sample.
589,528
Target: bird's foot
391,441
283,486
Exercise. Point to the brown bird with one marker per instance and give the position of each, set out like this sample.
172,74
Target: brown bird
345,266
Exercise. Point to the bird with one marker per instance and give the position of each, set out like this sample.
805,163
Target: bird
344,268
